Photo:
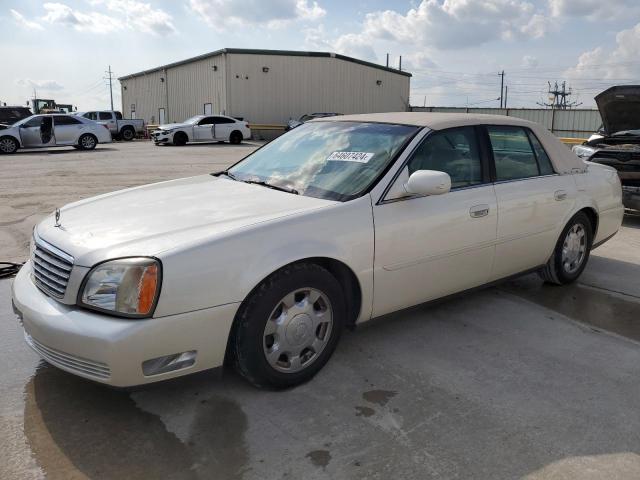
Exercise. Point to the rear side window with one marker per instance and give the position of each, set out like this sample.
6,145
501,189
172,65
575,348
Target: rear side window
220,120
454,151
65,120
544,162
104,115
512,153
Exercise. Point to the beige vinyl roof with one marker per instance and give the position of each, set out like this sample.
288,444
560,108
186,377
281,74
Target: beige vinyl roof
433,120
563,159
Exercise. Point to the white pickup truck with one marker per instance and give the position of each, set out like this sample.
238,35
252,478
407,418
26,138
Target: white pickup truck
120,128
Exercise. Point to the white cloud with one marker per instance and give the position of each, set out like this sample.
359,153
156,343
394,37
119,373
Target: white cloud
594,9
141,16
61,14
23,22
417,61
49,85
221,14
351,45
118,15
620,64
457,23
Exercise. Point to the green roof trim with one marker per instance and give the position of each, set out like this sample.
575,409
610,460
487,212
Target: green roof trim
251,51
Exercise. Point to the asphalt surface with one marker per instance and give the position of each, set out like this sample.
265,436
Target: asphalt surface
521,380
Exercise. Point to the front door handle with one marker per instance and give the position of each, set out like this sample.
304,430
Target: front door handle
560,195
478,211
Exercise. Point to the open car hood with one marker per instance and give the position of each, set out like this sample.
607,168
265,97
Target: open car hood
619,108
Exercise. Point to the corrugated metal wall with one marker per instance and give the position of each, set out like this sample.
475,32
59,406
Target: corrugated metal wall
293,86
182,91
238,86
563,123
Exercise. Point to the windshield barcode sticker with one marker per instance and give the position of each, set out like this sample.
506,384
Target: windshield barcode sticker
360,157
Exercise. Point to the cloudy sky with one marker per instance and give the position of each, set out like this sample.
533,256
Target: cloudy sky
454,48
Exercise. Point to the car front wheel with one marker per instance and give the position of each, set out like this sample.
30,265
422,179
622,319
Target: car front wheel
289,326
570,256
8,145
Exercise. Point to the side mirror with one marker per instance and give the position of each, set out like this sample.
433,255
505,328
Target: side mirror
428,182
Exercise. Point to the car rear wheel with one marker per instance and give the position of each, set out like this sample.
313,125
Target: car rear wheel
87,142
127,134
570,256
8,145
235,137
179,139
287,329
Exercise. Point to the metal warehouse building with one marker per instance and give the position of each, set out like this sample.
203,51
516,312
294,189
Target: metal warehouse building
263,87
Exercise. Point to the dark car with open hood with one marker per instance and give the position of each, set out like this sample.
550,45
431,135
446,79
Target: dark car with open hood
617,143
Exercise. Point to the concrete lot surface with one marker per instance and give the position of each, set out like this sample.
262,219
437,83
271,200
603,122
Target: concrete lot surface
521,380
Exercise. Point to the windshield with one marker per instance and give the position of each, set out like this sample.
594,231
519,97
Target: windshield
331,160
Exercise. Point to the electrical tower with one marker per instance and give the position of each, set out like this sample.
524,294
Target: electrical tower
558,96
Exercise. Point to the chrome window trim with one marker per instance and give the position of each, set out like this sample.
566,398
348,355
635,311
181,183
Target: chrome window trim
499,182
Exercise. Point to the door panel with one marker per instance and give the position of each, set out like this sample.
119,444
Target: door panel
38,132
532,213
429,247
203,133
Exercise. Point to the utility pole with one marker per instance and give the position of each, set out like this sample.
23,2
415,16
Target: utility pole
387,60
109,72
400,63
506,91
501,86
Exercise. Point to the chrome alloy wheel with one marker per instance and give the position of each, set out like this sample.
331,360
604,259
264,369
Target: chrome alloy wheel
88,142
297,330
574,248
7,145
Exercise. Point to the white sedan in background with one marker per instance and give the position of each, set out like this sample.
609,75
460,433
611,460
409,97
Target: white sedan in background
53,130
334,223
203,128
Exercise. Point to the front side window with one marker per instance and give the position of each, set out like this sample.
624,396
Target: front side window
207,121
453,151
514,158
332,160
33,122
91,115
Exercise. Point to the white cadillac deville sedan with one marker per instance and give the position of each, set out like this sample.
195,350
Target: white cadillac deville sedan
338,221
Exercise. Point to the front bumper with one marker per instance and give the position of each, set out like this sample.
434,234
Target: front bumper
159,138
111,350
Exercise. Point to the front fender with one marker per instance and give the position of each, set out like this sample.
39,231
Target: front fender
225,270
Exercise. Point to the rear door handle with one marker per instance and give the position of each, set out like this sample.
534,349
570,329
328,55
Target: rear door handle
560,195
478,211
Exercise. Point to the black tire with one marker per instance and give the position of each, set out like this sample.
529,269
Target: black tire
180,139
236,137
127,134
87,142
247,341
8,145
558,271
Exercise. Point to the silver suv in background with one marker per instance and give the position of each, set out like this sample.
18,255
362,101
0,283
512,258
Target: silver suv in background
121,128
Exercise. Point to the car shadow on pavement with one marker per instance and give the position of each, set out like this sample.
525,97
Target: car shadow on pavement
75,425
58,151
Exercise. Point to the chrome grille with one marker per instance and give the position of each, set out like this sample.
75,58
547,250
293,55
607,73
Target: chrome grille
51,268
61,359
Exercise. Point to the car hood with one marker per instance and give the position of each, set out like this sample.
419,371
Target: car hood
169,126
154,218
620,108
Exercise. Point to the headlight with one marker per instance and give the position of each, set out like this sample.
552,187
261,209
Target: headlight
583,151
127,287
